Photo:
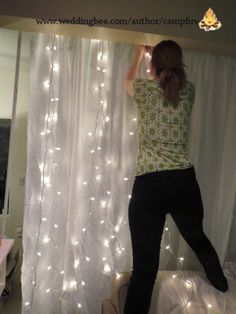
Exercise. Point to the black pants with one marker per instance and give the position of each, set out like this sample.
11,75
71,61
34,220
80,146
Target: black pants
154,195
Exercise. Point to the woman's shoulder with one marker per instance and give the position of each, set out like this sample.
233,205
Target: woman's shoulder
151,83
190,88
190,84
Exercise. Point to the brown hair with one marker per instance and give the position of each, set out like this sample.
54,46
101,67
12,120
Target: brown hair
168,64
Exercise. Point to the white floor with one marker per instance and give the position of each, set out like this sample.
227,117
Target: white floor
169,290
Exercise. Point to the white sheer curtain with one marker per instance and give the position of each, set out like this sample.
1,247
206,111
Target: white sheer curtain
82,145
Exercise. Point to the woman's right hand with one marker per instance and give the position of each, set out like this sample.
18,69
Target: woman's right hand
140,49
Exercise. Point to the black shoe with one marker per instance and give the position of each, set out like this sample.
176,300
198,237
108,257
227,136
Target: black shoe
219,282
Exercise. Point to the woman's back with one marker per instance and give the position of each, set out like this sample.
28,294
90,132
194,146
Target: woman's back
163,128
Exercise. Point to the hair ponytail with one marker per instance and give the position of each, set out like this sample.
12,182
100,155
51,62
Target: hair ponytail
168,65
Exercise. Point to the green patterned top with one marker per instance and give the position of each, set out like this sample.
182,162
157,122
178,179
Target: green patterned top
163,129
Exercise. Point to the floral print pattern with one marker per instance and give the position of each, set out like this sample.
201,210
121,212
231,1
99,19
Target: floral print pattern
163,129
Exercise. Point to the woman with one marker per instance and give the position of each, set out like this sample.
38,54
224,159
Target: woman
165,180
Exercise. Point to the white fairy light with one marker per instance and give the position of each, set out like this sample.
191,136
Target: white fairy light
102,222
181,259
126,179
167,247
46,180
76,263
106,243
131,133
102,85
107,119
79,305
46,239
107,268
48,290
49,267
55,226
92,198
39,253
99,177
58,192
87,258
92,151
83,283
134,119
103,203
118,275
166,229
129,196
118,251
117,228
27,303
188,284
73,284
188,304
44,219
56,67
148,70
90,133
54,117
174,276
147,55
99,56
84,229
58,148
46,84
209,305
33,282
108,192
48,48
64,286
99,148
62,272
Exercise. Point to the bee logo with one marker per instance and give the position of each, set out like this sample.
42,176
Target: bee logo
209,21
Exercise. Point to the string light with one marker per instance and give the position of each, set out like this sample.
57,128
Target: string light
188,304
107,268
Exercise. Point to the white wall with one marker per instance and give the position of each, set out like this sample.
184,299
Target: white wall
8,49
